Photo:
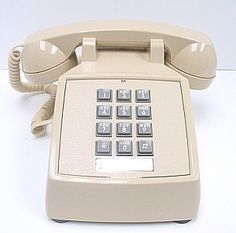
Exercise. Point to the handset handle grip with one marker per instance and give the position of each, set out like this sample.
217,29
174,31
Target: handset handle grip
187,51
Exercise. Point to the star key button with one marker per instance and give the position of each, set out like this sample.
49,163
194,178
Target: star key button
103,147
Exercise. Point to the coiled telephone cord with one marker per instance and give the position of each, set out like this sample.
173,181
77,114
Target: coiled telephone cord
42,117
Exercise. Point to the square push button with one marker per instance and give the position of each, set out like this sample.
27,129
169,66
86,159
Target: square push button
104,111
143,95
104,94
103,129
124,148
143,111
124,129
144,129
103,147
124,111
123,95
145,148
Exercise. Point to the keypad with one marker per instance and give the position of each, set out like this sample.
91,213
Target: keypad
133,133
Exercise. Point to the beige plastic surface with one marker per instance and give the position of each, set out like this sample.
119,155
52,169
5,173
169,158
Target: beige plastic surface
77,142
189,52
74,193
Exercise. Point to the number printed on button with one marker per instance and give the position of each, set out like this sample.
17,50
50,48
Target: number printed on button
124,95
104,95
143,95
103,129
144,111
144,129
124,111
104,111
124,129
124,147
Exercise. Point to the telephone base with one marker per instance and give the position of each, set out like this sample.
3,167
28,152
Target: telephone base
163,185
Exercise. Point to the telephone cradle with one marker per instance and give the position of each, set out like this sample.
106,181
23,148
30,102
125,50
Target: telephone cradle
123,146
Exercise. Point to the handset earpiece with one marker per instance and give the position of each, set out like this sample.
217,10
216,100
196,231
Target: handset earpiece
43,62
196,61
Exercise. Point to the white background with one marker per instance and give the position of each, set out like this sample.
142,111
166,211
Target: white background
24,158
217,18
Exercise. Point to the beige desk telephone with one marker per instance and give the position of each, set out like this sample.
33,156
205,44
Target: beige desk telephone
123,145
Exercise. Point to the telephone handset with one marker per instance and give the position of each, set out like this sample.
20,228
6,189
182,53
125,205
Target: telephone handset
123,130
188,52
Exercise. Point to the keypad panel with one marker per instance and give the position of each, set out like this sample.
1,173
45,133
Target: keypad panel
131,118
78,129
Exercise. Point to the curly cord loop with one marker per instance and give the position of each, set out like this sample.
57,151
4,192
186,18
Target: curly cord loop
41,118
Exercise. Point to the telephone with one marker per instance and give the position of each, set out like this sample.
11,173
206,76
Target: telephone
123,145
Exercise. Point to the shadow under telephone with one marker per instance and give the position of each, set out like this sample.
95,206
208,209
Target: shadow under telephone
123,145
